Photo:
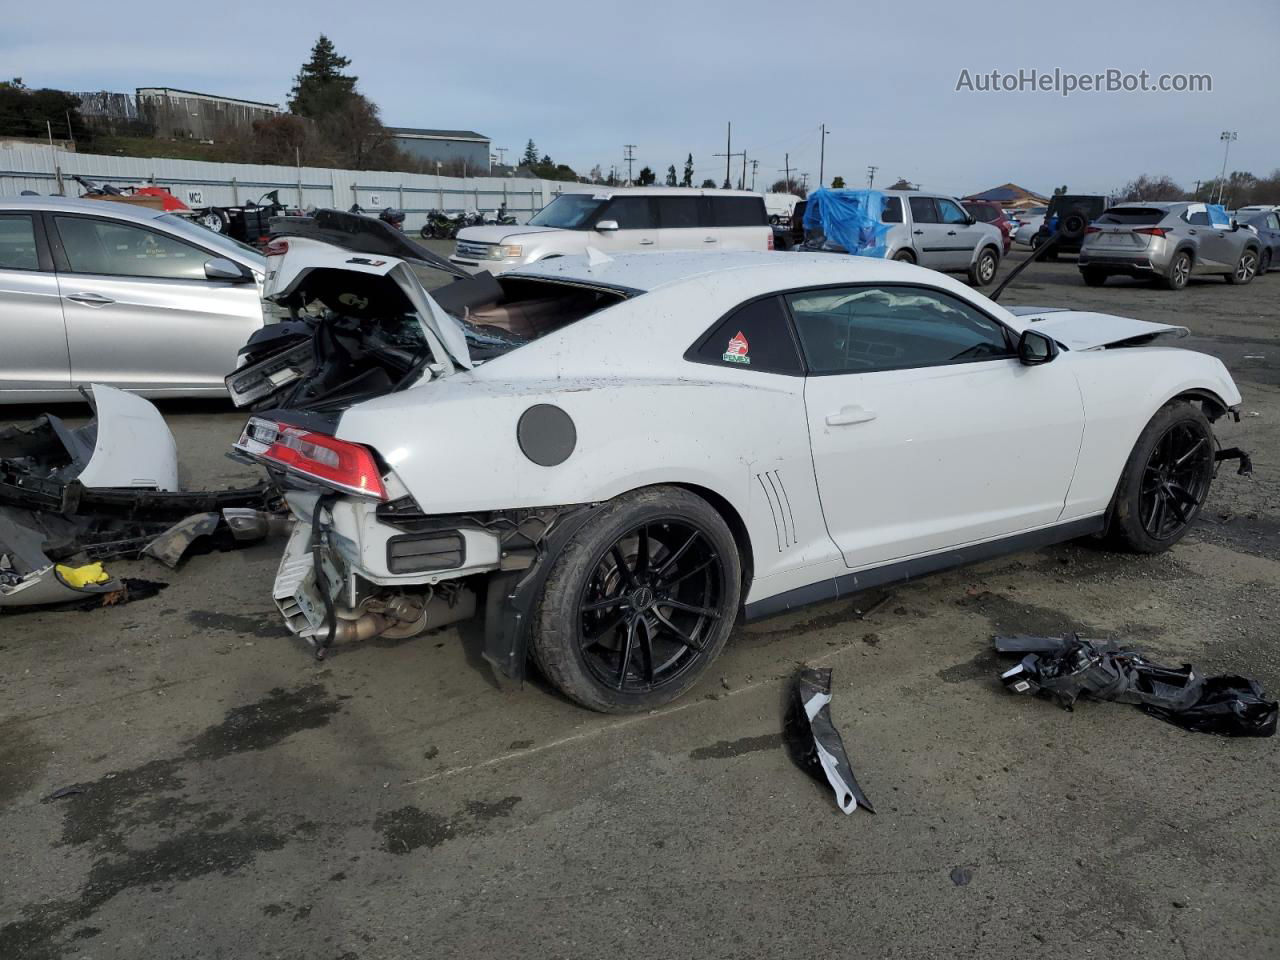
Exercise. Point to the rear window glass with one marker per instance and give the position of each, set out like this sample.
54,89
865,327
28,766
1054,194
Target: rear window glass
892,210
1140,216
981,212
737,212
676,212
18,243
756,336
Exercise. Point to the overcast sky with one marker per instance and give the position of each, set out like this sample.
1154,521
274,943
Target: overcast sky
583,79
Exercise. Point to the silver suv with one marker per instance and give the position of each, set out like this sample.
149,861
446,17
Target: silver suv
1168,242
934,231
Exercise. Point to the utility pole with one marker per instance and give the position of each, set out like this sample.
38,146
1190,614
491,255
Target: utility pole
502,155
729,155
804,182
871,176
786,173
1227,137
822,156
754,164
1195,195
742,181
629,156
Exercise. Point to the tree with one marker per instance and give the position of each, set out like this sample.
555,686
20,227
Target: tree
726,185
595,176
837,183
789,186
34,113
671,180
903,184
546,161
1150,188
321,87
530,158
1060,191
646,177
687,179
708,184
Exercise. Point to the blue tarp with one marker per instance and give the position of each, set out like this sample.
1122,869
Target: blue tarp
1218,215
849,218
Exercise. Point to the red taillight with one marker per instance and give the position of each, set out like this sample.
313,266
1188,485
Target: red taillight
1092,229
276,248
335,463
770,246
1153,231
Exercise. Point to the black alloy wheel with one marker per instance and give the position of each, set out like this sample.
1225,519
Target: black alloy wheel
648,609
1175,481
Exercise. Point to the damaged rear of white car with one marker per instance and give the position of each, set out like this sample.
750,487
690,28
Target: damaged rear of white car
619,457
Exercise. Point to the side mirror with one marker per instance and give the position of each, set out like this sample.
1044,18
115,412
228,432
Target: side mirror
970,220
604,226
1035,348
220,268
1235,224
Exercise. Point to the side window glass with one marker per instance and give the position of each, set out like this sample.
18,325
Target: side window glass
922,210
738,212
632,213
866,329
892,210
756,336
1200,218
123,250
1273,222
18,243
677,212
951,212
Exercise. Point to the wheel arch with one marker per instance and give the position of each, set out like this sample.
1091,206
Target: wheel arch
1213,405
734,521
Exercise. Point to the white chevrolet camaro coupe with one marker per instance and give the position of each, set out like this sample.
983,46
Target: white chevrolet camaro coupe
623,456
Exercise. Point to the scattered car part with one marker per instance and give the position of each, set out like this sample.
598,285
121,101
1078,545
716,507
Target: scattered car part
814,742
1070,667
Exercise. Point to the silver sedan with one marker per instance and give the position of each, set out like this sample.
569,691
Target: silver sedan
100,292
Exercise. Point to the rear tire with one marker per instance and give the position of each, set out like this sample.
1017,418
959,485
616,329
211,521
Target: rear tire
905,256
1179,271
1165,481
983,270
602,633
1093,277
1245,270
1264,265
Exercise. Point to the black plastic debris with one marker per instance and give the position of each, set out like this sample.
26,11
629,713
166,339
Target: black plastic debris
1071,667
814,743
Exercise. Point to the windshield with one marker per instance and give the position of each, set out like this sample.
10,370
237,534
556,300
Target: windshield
570,211
202,235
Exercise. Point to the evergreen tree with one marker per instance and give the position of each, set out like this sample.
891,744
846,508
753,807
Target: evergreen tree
671,176
687,179
530,158
321,87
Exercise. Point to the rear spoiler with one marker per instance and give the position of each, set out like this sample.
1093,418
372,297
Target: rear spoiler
361,234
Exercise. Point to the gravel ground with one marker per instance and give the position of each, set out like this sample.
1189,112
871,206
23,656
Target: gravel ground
236,799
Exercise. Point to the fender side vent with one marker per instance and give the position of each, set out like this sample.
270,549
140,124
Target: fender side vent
784,522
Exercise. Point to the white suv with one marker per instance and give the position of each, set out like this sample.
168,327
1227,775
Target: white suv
657,218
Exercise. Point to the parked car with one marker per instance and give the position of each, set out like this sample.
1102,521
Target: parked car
1267,227
1069,215
984,211
652,446
928,229
122,295
613,221
1029,223
1168,242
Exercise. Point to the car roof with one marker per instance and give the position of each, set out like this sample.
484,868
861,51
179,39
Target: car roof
603,191
755,271
109,208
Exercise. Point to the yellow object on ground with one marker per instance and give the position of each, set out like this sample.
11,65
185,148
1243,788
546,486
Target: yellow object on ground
80,577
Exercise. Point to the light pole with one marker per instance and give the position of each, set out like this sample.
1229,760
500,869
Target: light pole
822,155
1226,137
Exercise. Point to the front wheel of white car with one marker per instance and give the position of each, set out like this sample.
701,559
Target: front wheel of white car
640,602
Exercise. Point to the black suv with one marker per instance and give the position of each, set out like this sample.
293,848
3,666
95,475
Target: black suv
1068,214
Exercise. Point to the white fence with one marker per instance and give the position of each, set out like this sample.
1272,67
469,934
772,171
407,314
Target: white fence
45,170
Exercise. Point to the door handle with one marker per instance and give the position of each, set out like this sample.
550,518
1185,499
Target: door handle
90,299
951,233
918,233
1192,232
850,414
708,239
646,243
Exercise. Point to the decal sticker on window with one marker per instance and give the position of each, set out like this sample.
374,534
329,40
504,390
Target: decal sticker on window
736,351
